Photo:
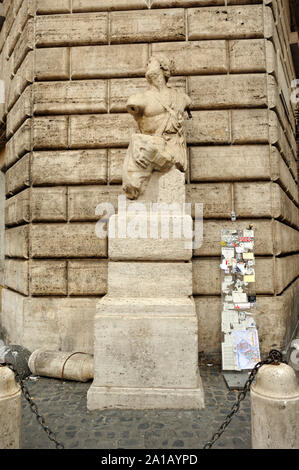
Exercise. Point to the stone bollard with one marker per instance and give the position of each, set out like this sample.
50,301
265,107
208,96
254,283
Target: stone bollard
10,410
275,408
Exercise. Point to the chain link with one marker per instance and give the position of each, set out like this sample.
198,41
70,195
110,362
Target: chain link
274,357
51,435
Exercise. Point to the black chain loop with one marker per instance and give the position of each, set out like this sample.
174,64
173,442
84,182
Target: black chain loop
274,357
51,435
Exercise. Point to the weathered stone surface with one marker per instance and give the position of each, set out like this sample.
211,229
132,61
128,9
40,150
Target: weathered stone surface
19,112
19,143
87,277
25,44
228,91
66,241
149,25
281,172
52,63
49,204
154,247
285,239
83,201
227,22
53,6
50,132
122,89
286,270
247,55
17,242
116,159
26,10
18,176
99,130
70,97
283,207
17,208
69,167
263,241
253,199
237,162
106,5
208,311
207,56
154,279
48,277
71,30
250,126
157,331
23,77
10,411
208,127
216,199
16,275
55,323
127,60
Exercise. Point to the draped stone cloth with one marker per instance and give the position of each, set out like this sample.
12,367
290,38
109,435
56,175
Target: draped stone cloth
163,149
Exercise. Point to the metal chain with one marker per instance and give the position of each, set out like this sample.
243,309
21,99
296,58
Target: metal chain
51,435
274,357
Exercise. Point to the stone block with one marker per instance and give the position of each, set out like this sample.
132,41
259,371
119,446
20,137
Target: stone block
17,208
154,279
52,63
19,112
236,162
162,238
149,25
70,97
49,204
18,176
285,239
232,22
19,143
83,201
66,241
99,130
16,275
23,77
216,199
48,277
69,167
125,60
122,89
283,207
17,242
208,311
87,277
71,30
253,199
116,159
228,91
208,57
53,6
286,270
281,173
250,126
135,339
25,44
247,55
50,132
106,5
55,323
207,276
208,127
26,10
263,242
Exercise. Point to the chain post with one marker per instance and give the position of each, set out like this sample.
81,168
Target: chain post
51,435
274,357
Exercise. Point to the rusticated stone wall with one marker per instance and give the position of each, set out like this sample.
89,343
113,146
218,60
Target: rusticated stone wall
69,66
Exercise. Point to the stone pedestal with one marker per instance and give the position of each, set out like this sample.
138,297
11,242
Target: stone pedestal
146,327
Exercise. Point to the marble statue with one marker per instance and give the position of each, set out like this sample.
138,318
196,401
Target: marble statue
159,113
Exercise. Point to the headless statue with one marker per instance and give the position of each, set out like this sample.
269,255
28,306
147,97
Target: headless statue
161,144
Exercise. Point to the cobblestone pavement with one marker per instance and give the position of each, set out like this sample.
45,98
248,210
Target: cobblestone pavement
63,404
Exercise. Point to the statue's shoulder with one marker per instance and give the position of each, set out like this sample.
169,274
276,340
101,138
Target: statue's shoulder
181,97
